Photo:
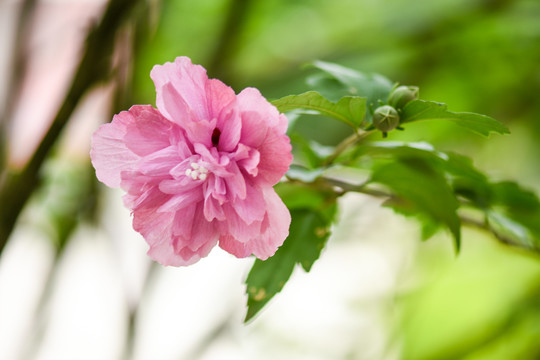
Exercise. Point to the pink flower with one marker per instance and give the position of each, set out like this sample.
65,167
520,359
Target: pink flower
200,169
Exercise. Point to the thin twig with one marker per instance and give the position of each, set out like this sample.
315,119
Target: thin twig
349,142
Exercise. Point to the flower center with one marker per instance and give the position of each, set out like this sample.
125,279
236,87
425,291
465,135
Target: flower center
197,172
215,137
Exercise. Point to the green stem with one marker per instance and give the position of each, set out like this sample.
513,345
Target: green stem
349,142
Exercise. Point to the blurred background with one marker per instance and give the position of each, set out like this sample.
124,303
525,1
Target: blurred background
75,282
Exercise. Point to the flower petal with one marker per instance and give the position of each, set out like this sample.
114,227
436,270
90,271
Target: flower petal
234,247
156,229
252,207
212,206
263,128
150,132
275,157
247,159
189,82
142,190
160,162
222,106
274,229
109,153
192,231
236,227
271,234
258,113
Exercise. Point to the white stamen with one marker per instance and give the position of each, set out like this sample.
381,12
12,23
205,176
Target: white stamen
197,172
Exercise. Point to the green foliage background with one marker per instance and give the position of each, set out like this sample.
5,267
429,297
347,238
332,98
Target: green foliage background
476,55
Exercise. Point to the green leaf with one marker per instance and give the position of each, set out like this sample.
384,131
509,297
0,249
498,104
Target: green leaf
516,212
464,178
374,87
515,198
309,152
513,212
308,234
519,233
350,110
428,110
301,196
420,190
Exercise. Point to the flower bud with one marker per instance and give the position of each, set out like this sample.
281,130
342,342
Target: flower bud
385,118
402,95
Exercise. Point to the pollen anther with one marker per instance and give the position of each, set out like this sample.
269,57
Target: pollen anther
197,172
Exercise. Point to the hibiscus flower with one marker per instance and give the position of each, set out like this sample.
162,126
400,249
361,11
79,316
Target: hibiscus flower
200,169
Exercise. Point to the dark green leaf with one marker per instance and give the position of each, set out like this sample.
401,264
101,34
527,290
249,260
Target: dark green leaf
350,110
420,189
515,198
428,110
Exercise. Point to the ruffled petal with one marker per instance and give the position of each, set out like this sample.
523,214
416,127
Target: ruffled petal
274,229
160,162
236,227
258,115
193,234
189,83
176,238
181,201
263,128
263,241
212,206
236,184
247,159
275,157
150,132
142,191
156,228
234,247
222,106
109,153
252,207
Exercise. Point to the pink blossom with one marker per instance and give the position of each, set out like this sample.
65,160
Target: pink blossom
200,169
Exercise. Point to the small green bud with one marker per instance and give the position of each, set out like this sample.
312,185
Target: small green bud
402,95
385,118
